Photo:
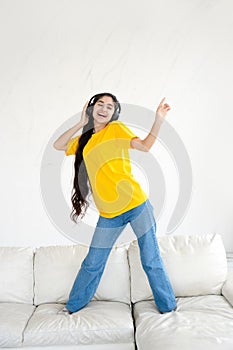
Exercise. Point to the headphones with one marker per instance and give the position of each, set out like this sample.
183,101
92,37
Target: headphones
96,97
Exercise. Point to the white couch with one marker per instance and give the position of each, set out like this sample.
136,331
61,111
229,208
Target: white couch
35,285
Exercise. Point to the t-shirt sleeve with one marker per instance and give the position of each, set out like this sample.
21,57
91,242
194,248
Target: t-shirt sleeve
72,145
124,134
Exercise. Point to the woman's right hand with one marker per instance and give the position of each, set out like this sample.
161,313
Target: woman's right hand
84,116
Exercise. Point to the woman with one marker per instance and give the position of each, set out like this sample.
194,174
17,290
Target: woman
102,167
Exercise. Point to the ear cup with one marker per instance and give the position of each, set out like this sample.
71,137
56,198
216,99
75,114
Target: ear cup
115,115
89,110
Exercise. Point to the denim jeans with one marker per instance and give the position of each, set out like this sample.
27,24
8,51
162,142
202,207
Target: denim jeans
106,233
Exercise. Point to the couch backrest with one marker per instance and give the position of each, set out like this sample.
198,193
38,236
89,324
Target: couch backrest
196,265
57,266
16,275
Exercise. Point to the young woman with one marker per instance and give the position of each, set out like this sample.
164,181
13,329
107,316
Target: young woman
102,167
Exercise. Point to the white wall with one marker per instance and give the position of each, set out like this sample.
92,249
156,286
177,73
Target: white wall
56,54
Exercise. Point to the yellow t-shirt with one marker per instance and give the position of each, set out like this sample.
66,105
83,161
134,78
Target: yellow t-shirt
106,156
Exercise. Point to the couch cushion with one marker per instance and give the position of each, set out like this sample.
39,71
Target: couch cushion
204,322
57,266
16,275
196,265
100,322
13,320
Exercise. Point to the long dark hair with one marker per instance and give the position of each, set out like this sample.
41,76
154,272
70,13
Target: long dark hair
80,185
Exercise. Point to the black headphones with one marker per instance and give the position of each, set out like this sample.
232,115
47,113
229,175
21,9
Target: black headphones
95,98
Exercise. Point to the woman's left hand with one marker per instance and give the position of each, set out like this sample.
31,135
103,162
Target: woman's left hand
162,109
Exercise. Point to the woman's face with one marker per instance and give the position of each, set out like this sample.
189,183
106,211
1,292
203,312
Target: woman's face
103,110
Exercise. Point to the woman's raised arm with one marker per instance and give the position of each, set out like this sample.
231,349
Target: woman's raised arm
61,143
146,144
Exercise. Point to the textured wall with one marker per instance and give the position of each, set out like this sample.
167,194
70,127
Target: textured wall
56,54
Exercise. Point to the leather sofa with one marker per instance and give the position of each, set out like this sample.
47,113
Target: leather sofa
35,285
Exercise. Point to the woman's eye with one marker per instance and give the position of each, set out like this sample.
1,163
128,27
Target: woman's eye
101,105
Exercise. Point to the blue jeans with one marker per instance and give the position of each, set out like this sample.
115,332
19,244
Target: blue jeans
106,233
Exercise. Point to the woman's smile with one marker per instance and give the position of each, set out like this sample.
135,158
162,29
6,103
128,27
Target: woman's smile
101,115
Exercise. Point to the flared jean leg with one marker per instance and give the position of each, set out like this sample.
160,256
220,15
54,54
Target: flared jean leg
156,273
88,278
152,262
92,268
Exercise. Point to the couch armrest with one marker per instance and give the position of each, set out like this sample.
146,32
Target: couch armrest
227,289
